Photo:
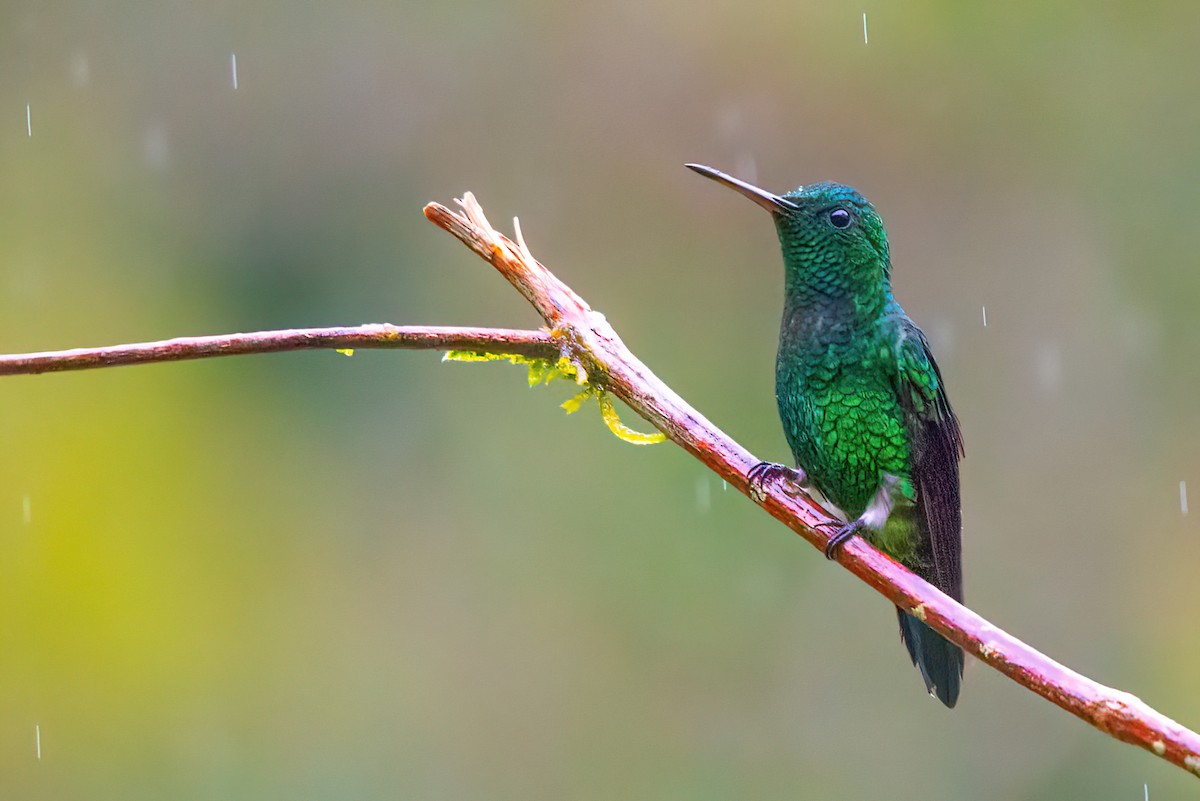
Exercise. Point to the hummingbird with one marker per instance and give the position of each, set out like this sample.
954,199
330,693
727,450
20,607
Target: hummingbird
862,401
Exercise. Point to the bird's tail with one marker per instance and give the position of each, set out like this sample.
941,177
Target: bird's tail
939,660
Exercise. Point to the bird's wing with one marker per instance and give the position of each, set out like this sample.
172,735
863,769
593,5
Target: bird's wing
937,447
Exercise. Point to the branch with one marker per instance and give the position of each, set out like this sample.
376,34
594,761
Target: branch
534,344
587,339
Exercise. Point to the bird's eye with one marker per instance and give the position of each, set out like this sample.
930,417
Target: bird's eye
839,218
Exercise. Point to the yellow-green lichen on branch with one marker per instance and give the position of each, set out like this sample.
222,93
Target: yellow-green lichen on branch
543,371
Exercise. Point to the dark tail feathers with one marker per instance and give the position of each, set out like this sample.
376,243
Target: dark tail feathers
939,660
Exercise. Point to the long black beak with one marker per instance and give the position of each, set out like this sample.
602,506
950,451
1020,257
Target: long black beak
772,203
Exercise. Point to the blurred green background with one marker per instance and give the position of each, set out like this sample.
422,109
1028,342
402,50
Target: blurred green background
316,577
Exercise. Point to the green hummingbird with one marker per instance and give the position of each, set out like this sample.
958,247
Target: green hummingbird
862,401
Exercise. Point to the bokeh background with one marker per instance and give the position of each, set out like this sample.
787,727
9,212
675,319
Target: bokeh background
312,576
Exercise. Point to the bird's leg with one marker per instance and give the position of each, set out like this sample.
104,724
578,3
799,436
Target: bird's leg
873,518
761,473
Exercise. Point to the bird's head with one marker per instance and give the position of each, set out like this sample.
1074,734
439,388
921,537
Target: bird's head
831,235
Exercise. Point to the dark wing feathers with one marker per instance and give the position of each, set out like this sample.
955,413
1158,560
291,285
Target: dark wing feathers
936,476
937,447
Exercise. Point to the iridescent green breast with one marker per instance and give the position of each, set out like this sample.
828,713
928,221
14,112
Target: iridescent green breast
847,430
846,434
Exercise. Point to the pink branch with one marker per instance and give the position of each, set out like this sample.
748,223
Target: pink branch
589,340
383,335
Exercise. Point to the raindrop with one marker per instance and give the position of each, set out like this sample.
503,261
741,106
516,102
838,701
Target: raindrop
745,165
1047,367
80,72
154,145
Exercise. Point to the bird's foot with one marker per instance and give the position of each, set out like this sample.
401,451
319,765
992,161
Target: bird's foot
874,518
844,532
763,472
